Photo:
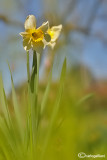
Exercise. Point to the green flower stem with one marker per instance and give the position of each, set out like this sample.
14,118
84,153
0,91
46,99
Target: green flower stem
34,72
28,70
37,88
38,63
29,121
33,108
35,81
34,84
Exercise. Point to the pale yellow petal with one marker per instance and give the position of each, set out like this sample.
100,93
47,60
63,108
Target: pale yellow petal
45,43
44,27
24,34
38,46
52,45
30,22
27,44
55,32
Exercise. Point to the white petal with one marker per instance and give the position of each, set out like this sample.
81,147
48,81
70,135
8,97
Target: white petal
56,28
27,44
30,22
52,45
45,43
56,31
24,34
44,27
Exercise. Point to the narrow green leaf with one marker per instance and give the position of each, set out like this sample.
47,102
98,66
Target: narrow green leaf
6,139
45,96
6,124
4,102
55,109
16,108
28,68
85,98
34,71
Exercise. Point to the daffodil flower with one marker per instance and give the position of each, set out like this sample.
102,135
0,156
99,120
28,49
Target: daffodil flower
54,33
35,38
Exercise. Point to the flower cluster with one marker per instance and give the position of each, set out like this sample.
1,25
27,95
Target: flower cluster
38,38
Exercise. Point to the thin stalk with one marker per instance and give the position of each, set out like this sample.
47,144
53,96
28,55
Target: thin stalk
37,87
34,72
28,70
33,86
35,105
29,108
38,63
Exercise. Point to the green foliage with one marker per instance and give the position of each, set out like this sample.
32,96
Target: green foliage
51,122
19,131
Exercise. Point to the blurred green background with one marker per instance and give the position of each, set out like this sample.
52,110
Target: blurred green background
81,124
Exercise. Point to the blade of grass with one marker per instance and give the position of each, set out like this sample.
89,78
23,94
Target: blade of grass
55,110
45,96
85,98
29,127
4,103
7,140
7,127
42,108
16,108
